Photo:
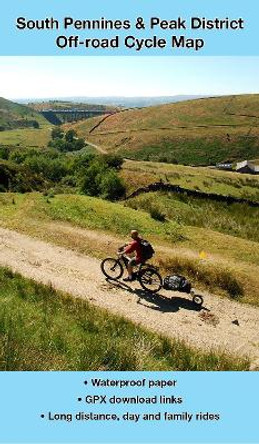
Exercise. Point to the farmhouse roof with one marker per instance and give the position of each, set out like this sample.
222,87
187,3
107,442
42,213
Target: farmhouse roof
246,163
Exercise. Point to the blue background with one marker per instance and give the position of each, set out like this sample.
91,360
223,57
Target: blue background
15,42
26,395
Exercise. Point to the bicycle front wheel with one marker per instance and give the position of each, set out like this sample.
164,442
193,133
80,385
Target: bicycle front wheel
112,268
150,280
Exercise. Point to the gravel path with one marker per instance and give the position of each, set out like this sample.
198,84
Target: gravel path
220,324
98,148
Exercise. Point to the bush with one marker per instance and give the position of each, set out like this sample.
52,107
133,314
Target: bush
98,178
90,181
70,136
57,133
18,156
112,186
156,214
35,124
81,162
53,170
4,152
18,178
69,181
79,144
66,142
113,161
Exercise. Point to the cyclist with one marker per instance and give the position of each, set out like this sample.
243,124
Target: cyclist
133,246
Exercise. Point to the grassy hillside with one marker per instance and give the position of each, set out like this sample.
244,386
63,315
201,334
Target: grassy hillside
138,174
26,137
198,132
103,341
239,220
13,115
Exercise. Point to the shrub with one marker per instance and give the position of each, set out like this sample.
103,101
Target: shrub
4,152
69,181
90,180
79,144
57,133
70,136
113,161
66,142
112,186
35,124
156,214
98,178
53,170
81,162
19,156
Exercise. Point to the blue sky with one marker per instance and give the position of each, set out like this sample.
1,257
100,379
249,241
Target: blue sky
32,77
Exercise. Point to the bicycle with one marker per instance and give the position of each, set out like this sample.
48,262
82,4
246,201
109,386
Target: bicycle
146,274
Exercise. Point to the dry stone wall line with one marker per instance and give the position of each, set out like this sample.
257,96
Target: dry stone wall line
161,186
100,122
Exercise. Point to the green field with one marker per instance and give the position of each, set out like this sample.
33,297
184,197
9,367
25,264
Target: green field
26,137
42,329
196,132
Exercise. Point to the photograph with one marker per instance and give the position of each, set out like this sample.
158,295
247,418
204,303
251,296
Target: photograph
129,208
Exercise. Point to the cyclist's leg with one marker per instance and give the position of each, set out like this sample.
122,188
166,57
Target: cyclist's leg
131,263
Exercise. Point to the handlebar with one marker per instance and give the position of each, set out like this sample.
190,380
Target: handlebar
120,249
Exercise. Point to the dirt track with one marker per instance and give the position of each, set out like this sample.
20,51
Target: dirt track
169,313
98,148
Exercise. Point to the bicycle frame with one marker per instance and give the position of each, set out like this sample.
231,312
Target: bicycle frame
125,261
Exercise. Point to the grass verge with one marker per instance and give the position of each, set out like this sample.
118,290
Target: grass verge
43,329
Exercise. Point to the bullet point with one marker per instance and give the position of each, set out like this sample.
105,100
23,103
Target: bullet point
42,416
85,382
79,399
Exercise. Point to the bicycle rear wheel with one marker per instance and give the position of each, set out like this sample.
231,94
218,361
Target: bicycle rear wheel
112,268
150,280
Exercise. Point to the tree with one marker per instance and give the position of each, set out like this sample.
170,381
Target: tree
35,124
113,161
112,186
81,162
70,135
57,133
79,144
90,180
4,152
